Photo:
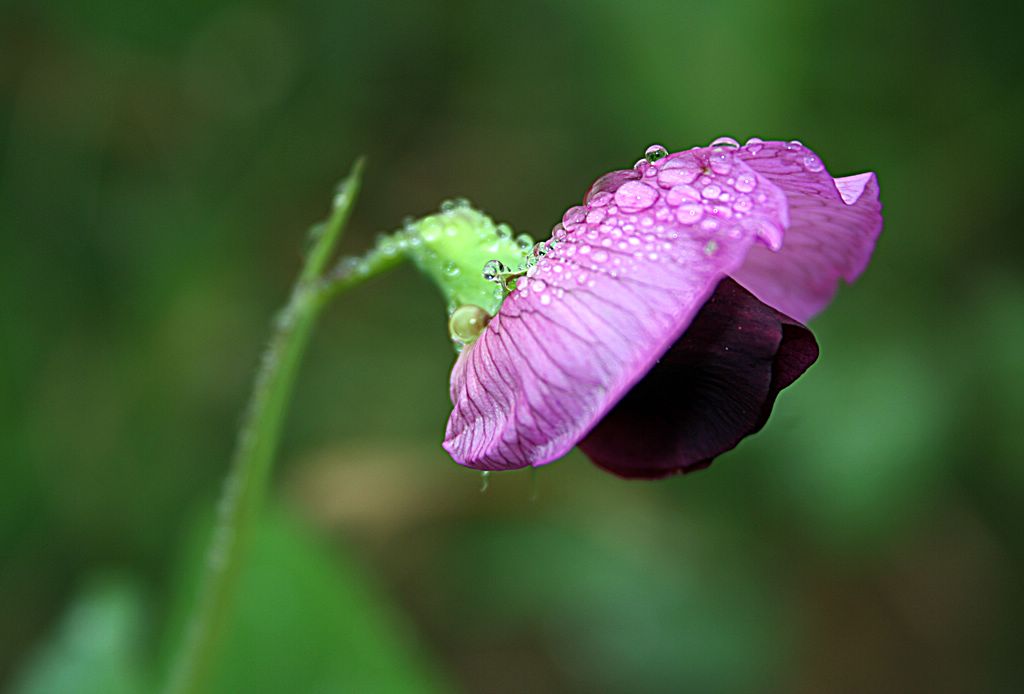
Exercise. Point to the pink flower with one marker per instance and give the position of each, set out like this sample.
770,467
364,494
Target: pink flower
628,336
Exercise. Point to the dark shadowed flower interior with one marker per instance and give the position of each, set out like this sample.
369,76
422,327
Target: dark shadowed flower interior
715,386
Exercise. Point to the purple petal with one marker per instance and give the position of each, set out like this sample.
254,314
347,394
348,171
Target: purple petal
715,386
636,263
834,224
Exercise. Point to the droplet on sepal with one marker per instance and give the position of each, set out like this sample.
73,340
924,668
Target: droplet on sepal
494,269
467,323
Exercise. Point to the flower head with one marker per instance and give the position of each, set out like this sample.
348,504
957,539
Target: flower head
657,325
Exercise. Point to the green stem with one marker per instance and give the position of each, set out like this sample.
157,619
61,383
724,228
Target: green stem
257,443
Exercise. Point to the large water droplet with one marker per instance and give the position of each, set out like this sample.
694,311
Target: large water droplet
721,161
573,217
812,163
524,242
467,323
690,213
503,231
712,191
725,142
494,269
677,195
654,153
634,196
746,182
678,170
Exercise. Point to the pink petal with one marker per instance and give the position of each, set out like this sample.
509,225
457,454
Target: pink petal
593,316
834,224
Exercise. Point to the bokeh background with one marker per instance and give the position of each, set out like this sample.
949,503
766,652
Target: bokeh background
159,166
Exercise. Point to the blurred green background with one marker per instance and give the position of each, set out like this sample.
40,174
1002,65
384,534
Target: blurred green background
159,166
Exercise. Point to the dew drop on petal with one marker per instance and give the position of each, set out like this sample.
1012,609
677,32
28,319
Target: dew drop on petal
573,217
600,199
754,145
600,256
595,216
678,170
725,142
720,163
654,153
746,182
689,213
712,191
634,196
812,163
677,195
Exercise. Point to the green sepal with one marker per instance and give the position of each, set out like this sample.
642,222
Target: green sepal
452,247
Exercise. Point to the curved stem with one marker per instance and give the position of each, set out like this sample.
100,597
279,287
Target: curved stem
257,443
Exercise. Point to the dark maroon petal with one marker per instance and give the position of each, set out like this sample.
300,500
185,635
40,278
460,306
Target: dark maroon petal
715,386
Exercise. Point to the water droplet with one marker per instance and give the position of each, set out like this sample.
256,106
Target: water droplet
485,478
573,217
524,241
600,199
595,216
743,204
494,269
725,142
812,163
677,195
746,182
689,213
503,231
387,245
545,299
712,191
654,153
451,269
754,141
794,145
467,323
600,256
710,247
678,170
449,206
721,161
634,196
